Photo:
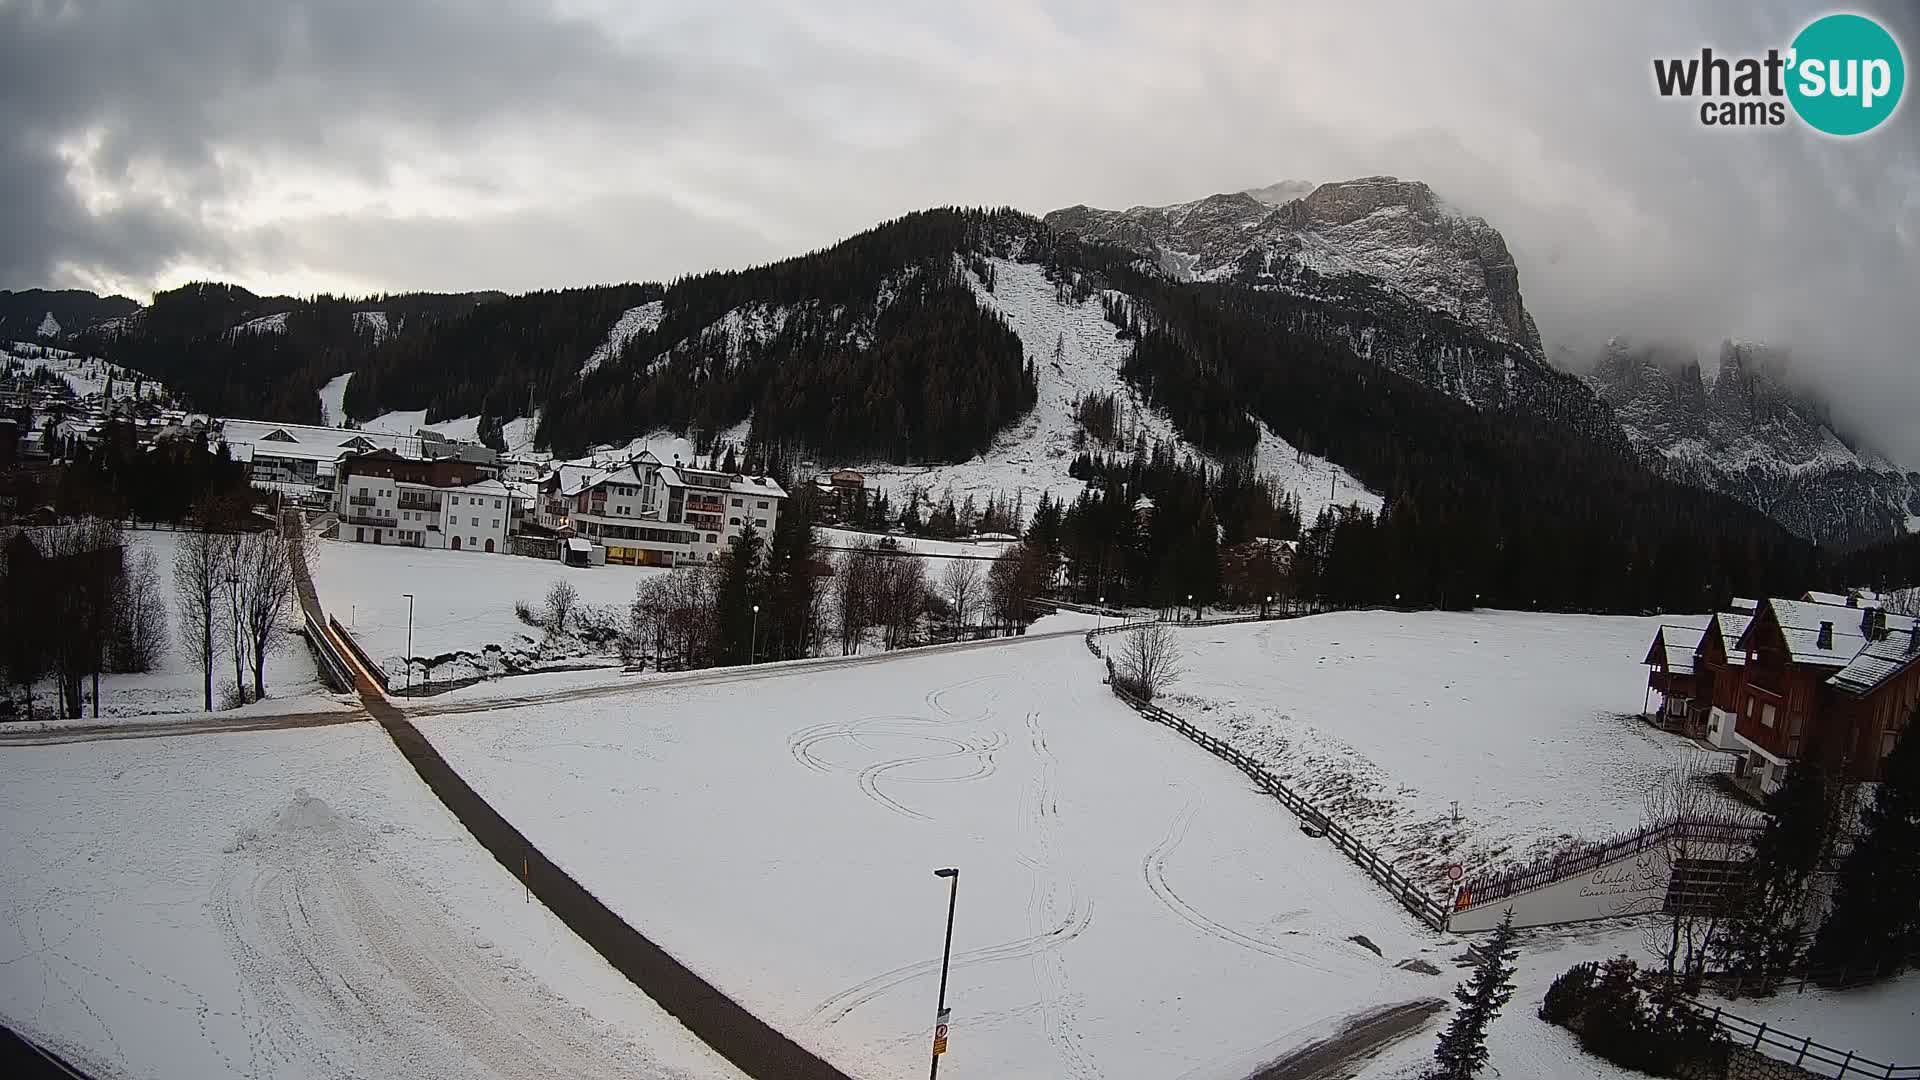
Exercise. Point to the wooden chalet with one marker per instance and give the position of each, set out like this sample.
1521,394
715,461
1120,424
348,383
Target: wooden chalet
1672,673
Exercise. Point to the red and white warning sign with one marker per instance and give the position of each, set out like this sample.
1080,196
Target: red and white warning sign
940,1032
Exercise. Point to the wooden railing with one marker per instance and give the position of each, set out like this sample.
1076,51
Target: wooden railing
1800,1051
1587,858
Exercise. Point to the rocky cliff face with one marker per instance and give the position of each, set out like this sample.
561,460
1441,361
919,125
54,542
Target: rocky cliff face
1751,435
1396,231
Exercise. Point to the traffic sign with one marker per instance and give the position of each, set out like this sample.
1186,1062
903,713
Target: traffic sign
940,1033
1456,872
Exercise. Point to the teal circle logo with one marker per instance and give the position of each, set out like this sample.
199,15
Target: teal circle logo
1846,74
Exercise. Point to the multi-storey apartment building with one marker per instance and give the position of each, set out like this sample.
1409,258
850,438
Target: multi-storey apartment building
646,513
383,497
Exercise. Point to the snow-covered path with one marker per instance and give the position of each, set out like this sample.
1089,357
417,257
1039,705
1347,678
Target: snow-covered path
1129,907
290,904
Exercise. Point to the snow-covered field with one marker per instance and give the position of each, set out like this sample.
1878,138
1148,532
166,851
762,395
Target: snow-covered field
1075,354
290,904
463,600
1528,721
175,684
1128,906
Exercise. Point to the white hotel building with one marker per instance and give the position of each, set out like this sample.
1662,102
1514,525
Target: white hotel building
648,514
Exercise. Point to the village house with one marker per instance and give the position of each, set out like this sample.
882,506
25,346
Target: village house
384,497
300,460
1776,679
645,513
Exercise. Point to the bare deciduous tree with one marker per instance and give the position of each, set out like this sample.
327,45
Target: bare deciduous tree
261,576
141,637
961,581
1696,902
901,599
1149,659
856,587
199,571
562,599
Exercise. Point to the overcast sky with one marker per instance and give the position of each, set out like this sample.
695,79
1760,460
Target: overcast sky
379,145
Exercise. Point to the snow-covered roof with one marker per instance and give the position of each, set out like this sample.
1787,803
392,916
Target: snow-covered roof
482,487
1675,645
1800,622
1730,625
293,450
577,544
1742,604
1876,663
1861,598
239,433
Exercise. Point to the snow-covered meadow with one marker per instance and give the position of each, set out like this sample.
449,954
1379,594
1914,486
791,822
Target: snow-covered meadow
290,904
1128,905
1529,722
463,601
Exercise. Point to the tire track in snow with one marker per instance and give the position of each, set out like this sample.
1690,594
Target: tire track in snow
1154,869
1059,1012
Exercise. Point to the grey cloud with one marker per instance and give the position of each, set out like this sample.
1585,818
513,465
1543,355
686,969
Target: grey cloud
632,142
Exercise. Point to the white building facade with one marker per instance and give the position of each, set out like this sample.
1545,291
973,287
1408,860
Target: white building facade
383,499
648,514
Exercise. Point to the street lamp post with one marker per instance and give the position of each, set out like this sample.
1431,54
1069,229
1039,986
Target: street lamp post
753,639
1264,604
409,597
1196,611
1103,613
946,957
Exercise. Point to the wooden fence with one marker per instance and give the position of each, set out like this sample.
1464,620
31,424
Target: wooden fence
378,673
1800,1051
1587,858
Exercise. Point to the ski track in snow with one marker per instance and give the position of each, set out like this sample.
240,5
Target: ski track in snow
1075,354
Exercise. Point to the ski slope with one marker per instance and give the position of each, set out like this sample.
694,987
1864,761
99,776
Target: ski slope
1075,354
1529,722
1128,906
86,376
290,904
333,396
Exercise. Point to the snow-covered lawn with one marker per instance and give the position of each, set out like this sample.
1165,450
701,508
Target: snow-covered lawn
175,685
290,904
1128,907
463,600
1527,721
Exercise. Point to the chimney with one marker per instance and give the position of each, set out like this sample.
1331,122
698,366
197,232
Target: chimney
1825,640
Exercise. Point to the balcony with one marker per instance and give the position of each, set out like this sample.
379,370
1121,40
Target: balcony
419,504
361,500
386,521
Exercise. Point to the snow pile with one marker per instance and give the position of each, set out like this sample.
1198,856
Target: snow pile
372,322
333,396
631,323
265,324
1528,722
1095,847
188,918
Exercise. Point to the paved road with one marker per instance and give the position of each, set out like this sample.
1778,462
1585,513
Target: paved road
1365,1034
751,1044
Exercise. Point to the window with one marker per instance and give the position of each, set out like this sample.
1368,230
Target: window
476,523
496,504
496,523
472,541
762,504
712,539
733,521
363,490
736,502
454,500
759,523
1766,715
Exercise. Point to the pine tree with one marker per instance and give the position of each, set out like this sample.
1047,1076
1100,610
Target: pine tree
1875,922
1463,1046
1762,938
787,625
738,591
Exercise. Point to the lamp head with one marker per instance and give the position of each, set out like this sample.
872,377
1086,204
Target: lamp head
950,871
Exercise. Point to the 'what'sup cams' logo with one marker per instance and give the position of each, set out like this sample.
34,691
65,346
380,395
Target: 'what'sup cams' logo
1843,75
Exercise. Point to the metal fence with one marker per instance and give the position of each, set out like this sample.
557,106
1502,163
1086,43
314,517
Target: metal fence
374,670
333,666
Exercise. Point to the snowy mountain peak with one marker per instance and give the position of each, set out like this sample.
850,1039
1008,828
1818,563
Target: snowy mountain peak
1396,231
1753,435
